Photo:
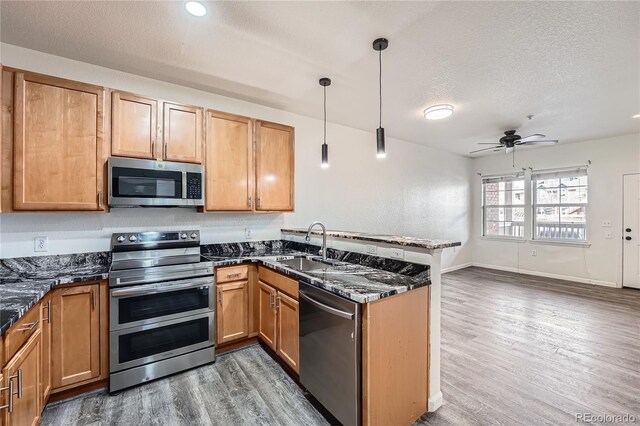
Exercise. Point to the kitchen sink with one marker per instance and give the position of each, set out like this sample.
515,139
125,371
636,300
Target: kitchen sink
304,264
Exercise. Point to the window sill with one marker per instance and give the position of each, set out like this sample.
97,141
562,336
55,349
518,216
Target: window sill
562,243
509,239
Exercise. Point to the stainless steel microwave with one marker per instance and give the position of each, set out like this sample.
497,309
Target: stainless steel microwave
150,183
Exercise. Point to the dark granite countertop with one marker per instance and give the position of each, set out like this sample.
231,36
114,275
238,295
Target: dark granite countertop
359,283
425,243
24,281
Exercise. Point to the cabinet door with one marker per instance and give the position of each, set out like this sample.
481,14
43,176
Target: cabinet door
76,334
22,373
133,125
182,133
45,378
274,167
58,134
266,306
233,311
288,346
229,165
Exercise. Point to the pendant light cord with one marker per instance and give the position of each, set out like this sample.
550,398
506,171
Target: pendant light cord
380,82
325,114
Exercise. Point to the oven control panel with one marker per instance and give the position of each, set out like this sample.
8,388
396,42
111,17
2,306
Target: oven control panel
156,239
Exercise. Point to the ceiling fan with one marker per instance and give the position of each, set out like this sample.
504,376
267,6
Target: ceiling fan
510,140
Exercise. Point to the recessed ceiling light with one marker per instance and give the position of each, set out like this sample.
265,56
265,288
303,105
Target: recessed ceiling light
636,116
438,112
195,8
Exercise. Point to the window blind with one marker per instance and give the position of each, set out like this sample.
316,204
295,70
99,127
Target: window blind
503,178
559,173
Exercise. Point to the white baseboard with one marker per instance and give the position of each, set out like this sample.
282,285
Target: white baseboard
435,402
455,268
547,275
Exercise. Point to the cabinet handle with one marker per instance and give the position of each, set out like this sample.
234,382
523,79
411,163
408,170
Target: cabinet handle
99,200
250,201
220,296
48,308
93,299
233,275
271,299
153,147
165,149
28,326
19,377
11,393
259,202
277,303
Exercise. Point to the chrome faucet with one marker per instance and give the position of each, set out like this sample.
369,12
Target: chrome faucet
323,250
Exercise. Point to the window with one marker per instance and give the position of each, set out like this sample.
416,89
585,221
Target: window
503,206
560,205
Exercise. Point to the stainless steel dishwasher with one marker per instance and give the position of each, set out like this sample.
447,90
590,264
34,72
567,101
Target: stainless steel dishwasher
330,352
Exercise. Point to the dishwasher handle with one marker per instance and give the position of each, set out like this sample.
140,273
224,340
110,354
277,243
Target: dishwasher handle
326,308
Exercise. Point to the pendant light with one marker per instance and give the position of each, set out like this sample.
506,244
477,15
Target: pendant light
324,82
379,45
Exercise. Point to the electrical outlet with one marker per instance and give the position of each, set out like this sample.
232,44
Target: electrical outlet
534,253
397,253
41,244
607,234
248,233
371,249
606,223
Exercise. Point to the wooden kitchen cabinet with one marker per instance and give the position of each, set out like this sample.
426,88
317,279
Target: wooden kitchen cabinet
232,316
22,373
274,167
75,348
58,144
182,134
267,314
133,125
45,377
229,163
288,346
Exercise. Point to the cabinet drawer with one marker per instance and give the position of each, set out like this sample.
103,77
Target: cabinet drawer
280,282
232,273
21,331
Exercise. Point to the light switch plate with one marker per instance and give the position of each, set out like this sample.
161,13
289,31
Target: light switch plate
397,253
248,233
371,249
534,253
41,244
606,223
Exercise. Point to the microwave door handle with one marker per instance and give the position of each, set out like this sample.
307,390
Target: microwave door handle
144,290
184,185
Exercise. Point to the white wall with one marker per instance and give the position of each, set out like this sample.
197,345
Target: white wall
600,263
415,191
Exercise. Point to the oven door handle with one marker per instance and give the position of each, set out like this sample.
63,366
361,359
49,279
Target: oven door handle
143,290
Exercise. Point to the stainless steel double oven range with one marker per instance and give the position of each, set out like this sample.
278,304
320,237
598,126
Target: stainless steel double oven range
161,313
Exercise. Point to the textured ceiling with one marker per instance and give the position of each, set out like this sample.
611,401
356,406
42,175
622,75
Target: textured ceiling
575,66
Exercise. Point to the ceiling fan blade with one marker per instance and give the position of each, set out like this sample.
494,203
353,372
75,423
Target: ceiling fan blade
484,149
535,136
508,150
487,143
547,142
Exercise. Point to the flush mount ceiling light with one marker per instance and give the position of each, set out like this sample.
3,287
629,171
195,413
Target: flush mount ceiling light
379,45
195,8
438,112
324,82
636,116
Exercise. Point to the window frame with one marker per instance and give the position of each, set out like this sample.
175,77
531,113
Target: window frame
540,175
507,177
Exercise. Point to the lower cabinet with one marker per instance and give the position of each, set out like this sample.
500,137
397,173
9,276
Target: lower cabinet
267,316
45,377
232,315
279,322
75,334
22,378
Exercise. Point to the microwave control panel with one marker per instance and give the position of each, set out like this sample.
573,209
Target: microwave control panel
194,186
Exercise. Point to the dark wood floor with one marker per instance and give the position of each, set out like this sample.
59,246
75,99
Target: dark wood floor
516,349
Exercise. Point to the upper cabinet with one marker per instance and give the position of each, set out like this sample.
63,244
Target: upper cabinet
182,134
229,162
133,125
58,144
274,167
